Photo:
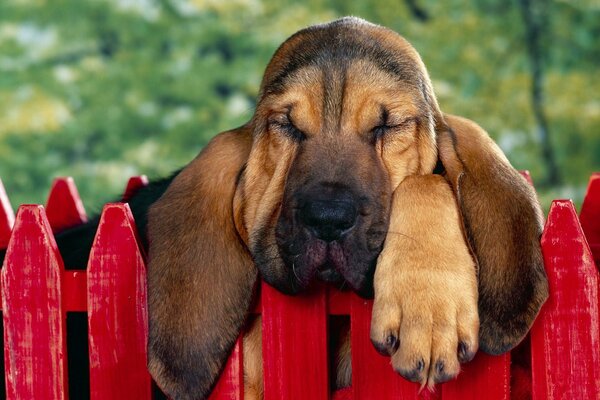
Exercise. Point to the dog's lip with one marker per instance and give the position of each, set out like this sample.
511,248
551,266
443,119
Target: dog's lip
328,265
327,273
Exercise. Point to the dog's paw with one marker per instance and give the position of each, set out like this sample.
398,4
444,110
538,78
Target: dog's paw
427,322
425,311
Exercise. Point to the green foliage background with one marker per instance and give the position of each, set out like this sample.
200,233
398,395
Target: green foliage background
105,89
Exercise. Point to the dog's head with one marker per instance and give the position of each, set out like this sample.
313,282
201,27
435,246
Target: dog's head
346,111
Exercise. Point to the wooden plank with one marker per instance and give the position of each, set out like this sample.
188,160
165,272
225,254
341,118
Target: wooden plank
338,302
343,394
74,285
373,377
564,338
590,216
134,184
525,174
7,218
295,345
64,206
486,377
231,383
34,321
117,309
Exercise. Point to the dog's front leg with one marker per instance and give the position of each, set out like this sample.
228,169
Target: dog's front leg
425,310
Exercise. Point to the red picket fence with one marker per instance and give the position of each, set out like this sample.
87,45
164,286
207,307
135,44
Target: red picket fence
37,292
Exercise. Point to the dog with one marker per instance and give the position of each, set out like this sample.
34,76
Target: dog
348,172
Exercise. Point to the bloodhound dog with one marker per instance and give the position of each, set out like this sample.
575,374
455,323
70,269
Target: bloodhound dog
348,172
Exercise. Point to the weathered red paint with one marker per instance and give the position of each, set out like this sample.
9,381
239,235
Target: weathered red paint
134,184
7,218
74,290
373,377
295,345
231,383
590,216
486,377
343,394
117,312
564,338
34,320
64,207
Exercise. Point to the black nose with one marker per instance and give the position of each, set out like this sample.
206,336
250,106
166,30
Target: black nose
328,220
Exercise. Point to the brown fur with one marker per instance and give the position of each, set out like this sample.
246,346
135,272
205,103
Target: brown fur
345,109
503,222
198,269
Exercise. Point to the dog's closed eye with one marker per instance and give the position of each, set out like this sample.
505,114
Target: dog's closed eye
391,124
283,123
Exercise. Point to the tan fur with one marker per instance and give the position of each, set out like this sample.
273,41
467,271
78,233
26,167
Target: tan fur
253,370
216,223
425,283
343,362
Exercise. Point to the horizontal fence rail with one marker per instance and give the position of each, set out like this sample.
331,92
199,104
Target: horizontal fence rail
37,293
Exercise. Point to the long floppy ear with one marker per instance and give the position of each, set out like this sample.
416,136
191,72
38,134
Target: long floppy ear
503,223
200,275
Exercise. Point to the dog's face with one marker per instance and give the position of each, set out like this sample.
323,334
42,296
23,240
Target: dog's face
345,114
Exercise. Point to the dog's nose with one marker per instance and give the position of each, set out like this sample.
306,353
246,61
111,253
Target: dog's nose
328,219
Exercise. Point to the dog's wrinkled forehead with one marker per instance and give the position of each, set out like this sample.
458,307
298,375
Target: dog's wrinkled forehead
336,45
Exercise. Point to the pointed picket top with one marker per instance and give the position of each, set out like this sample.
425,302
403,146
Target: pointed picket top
117,309
525,174
7,217
34,321
590,215
134,184
64,206
565,336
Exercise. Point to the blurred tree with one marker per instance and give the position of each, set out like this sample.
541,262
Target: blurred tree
535,19
103,89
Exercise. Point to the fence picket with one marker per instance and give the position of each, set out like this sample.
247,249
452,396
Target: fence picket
7,217
525,174
64,207
231,382
373,377
590,216
134,184
34,290
34,321
117,313
486,377
564,338
295,345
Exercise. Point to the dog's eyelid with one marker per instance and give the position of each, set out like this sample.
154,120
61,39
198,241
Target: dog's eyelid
283,116
283,123
402,122
386,126
278,118
396,121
